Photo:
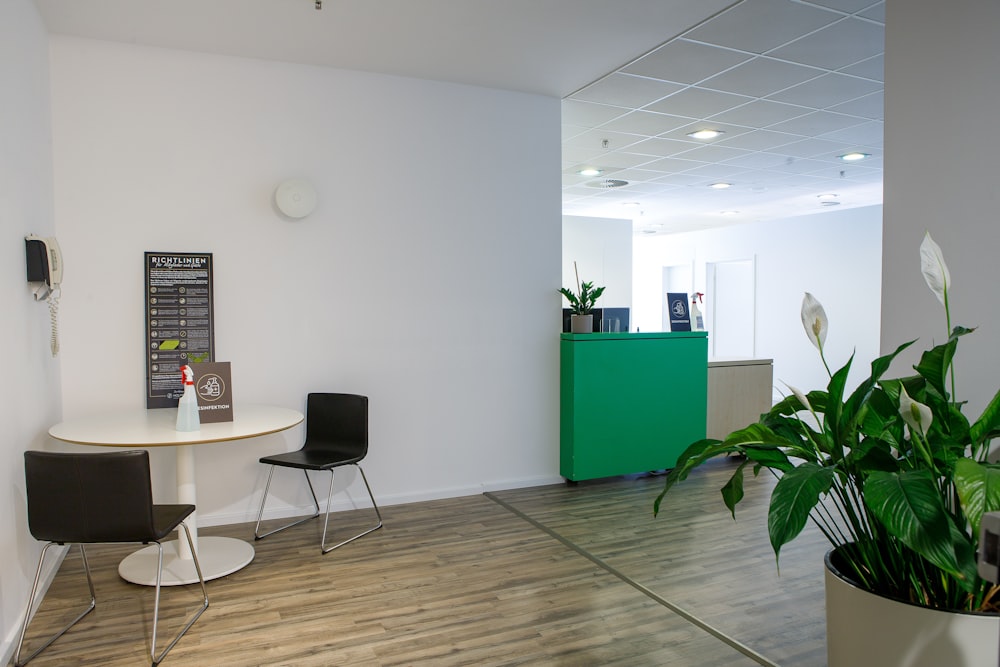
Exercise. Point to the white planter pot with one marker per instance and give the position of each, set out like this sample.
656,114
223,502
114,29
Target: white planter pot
867,629
581,323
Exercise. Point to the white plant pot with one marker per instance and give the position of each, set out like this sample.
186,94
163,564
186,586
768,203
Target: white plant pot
581,323
867,629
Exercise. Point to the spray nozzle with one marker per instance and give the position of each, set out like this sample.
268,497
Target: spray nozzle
187,374
697,295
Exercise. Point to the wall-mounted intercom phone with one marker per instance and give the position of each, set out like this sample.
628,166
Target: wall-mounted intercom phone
44,265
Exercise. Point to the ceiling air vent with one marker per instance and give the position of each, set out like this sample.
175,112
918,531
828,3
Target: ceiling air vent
607,183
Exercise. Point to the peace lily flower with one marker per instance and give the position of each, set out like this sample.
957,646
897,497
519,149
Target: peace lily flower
916,415
934,269
814,320
799,395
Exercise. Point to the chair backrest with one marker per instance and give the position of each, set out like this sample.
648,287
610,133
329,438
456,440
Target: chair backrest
337,421
89,497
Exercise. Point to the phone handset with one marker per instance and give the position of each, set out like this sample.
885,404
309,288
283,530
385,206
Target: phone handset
45,264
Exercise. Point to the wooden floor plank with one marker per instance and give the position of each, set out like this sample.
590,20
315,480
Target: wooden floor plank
696,556
466,581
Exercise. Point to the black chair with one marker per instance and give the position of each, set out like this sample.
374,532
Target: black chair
336,435
98,498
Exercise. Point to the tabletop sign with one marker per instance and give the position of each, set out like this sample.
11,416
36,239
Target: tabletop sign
680,316
180,325
213,385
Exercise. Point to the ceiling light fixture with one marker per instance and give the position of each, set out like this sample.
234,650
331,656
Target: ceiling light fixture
607,183
826,196
590,171
721,185
705,134
631,204
854,156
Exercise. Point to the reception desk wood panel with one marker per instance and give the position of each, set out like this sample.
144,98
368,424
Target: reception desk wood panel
630,402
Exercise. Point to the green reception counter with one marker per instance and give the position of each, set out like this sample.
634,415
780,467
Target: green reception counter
630,402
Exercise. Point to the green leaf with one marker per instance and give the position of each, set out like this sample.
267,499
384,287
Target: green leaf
934,364
909,506
732,492
793,498
987,423
978,489
692,457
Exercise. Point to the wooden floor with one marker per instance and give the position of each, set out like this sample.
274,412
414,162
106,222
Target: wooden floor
558,575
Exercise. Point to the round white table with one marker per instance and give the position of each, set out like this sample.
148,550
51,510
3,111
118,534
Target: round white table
218,556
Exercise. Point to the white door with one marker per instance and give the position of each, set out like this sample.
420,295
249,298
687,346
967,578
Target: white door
731,308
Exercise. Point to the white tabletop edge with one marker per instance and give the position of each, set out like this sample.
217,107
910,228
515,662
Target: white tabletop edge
155,428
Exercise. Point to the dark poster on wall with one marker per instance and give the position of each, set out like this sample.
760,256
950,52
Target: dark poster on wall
180,325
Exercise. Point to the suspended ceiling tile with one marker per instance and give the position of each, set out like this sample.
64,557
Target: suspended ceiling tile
816,123
626,90
645,123
827,90
838,45
870,106
759,140
865,134
685,62
698,103
758,26
847,6
872,68
659,147
594,140
588,114
813,148
761,113
760,77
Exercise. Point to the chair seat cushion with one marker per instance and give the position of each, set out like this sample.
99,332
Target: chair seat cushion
314,457
168,517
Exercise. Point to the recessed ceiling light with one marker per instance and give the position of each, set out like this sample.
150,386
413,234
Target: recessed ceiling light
607,183
853,157
631,204
705,134
590,171
826,196
720,185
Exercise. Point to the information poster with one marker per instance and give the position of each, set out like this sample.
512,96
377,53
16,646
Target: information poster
180,325
677,306
213,383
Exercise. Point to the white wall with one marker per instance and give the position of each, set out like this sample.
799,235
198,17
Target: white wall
942,92
834,255
602,250
403,285
30,388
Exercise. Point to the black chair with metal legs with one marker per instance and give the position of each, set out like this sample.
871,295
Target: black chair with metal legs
336,435
98,498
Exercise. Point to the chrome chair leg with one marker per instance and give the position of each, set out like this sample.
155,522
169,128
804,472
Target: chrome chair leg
31,599
329,499
257,535
156,606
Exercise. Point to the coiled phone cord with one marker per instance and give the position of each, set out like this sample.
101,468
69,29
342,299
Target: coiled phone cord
53,301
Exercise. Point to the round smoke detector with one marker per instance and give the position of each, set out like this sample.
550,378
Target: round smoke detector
607,184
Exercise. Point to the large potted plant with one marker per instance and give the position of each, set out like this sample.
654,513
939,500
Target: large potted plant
896,477
582,304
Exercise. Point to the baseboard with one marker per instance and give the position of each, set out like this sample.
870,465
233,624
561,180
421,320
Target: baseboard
343,504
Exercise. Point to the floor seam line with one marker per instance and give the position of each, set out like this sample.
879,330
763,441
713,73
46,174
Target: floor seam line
653,595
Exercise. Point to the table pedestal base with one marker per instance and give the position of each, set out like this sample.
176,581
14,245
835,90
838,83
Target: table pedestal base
218,556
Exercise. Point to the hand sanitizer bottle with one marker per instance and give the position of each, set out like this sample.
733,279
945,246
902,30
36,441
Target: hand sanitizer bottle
187,406
697,320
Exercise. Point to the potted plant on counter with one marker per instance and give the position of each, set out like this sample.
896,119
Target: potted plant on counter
896,477
582,304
